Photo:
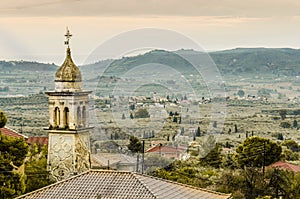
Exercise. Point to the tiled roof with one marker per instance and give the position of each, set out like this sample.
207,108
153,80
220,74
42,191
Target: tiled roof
285,166
40,141
12,133
107,184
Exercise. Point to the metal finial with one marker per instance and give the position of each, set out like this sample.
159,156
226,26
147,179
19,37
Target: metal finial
68,36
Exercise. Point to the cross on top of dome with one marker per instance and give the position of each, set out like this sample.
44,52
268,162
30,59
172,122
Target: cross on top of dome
68,36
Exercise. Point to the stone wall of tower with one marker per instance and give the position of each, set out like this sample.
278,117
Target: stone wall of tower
68,154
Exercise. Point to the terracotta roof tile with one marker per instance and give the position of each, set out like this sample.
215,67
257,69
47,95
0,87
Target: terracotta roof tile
285,166
40,141
12,133
120,185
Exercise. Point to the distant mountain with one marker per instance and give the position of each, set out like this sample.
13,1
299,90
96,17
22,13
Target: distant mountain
26,66
155,57
273,61
277,61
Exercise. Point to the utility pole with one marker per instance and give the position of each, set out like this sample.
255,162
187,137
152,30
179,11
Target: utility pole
137,162
143,157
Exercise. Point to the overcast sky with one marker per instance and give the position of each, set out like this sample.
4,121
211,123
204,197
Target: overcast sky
34,29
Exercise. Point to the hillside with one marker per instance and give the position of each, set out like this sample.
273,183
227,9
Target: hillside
26,66
280,61
276,61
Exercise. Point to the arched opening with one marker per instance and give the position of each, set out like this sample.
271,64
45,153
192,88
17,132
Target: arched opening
79,119
56,118
66,117
83,116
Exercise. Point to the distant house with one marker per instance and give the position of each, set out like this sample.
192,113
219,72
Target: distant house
167,151
116,184
285,166
12,133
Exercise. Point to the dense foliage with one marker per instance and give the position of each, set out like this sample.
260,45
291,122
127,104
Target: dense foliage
3,119
13,152
256,151
135,145
22,167
36,172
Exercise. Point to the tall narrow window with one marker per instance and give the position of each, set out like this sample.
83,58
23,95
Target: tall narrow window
56,118
83,116
66,117
79,116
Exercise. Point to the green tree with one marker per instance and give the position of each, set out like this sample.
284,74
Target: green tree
213,158
142,113
256,151
289,155
229,161
285,125
3,119
131,116
132,107
253,184
280,136
175,119
291,144
295,124
235,128
198,132
279,183
187,172
135,145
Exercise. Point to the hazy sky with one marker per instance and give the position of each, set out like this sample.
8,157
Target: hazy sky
34,29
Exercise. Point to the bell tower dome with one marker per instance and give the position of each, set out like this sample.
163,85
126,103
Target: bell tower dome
69,143
68,76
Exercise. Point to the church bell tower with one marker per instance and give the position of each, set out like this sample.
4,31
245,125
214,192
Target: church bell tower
69,142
